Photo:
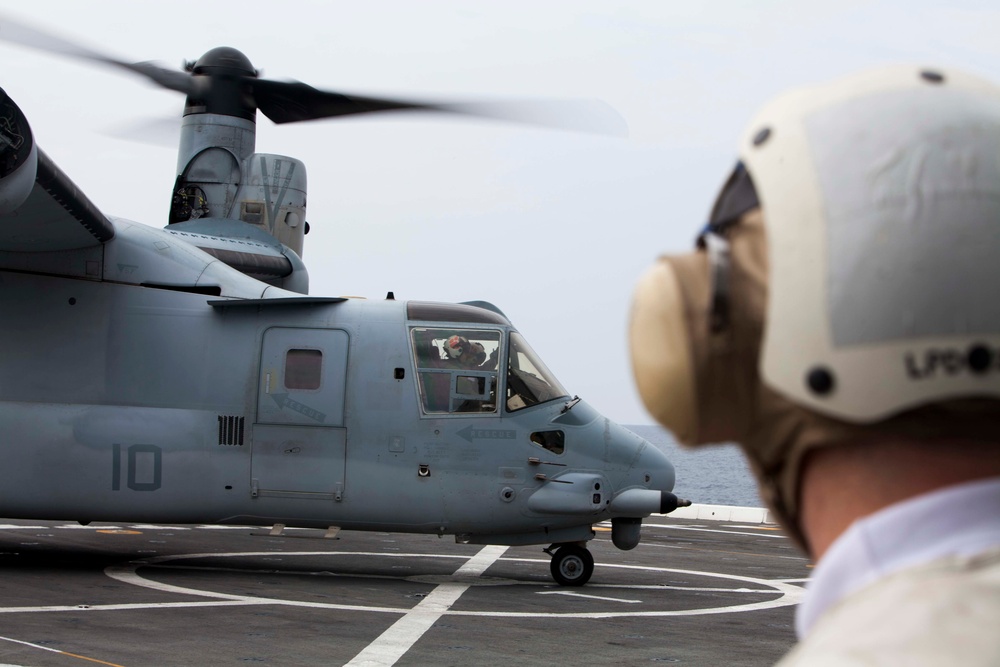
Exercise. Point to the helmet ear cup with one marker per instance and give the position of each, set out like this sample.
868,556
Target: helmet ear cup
726,357
661,351
697,377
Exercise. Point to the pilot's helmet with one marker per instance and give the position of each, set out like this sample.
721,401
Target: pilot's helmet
846,284
456,346
462,349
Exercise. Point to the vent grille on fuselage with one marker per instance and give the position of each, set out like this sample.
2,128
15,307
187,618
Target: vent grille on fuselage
230,430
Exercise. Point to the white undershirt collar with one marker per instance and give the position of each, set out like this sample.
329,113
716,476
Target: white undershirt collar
959,520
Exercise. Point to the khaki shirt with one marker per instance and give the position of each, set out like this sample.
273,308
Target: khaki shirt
946,612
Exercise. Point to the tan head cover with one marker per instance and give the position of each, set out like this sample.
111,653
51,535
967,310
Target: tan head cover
862,294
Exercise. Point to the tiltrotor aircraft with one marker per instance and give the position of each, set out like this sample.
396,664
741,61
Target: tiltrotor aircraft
183,375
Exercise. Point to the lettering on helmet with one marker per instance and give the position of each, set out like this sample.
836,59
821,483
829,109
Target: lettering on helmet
936,362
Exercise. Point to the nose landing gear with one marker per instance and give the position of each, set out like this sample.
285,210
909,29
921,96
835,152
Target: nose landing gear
572,564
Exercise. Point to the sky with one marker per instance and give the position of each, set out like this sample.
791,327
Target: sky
552,226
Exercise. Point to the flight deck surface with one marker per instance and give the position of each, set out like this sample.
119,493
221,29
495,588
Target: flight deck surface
692,593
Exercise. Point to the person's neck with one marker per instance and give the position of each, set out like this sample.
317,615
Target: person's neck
843,483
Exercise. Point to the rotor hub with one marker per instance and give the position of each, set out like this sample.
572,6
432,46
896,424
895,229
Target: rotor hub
223,60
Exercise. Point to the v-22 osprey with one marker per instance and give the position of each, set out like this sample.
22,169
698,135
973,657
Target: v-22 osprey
184,374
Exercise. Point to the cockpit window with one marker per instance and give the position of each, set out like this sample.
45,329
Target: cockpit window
529,382
456,368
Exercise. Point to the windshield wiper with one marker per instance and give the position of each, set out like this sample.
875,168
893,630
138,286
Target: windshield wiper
569,405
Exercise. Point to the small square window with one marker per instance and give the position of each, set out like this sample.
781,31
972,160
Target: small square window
470,386
554,441
303,369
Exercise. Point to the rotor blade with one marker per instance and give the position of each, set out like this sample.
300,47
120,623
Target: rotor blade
172,79
289,102
19,33
163,131
293,101
591,116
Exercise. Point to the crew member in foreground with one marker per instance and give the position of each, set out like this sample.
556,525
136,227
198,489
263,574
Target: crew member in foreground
840,319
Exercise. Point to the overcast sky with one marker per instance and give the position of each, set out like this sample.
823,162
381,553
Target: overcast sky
553,227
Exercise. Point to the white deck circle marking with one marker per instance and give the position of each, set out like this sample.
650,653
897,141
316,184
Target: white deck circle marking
788,594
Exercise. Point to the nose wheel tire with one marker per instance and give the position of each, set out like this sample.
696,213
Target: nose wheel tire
572,565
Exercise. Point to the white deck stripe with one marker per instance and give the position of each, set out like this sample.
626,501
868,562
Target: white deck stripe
589,597
24,643
711,530
392,644
54,650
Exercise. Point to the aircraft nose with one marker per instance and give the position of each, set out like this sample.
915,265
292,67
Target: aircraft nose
654,467
648,466
647,490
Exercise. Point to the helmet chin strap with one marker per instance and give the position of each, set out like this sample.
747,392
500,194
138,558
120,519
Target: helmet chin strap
737,197
719,263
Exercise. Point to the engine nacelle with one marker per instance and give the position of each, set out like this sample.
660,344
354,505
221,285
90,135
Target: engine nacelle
18,156
273,197
219,176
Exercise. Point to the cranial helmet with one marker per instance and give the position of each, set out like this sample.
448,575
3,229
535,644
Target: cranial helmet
847,285
456,346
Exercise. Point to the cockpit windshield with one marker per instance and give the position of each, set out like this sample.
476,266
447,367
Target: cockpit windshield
529,382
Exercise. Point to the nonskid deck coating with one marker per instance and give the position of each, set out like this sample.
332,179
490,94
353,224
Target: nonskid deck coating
692,593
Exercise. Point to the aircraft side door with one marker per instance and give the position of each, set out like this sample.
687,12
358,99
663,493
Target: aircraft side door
299,439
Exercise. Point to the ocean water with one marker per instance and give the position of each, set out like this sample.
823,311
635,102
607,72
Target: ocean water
713,475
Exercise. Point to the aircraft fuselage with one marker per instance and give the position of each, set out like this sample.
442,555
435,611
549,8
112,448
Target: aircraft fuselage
128,403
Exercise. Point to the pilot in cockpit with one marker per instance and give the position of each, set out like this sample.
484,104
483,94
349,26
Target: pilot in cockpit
464,352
